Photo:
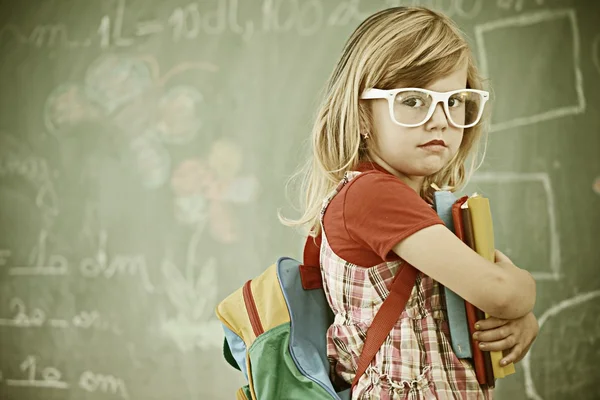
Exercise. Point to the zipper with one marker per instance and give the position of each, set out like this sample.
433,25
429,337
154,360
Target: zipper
252,311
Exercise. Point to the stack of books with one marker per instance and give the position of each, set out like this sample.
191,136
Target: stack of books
470,218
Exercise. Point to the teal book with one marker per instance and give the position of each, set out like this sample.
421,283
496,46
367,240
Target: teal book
457,315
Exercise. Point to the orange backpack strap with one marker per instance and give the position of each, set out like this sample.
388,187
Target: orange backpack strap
310,270
386,317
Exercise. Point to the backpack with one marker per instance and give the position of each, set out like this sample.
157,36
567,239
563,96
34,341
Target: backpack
276,324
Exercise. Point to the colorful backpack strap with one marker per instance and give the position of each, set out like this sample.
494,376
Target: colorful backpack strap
310,270
386,317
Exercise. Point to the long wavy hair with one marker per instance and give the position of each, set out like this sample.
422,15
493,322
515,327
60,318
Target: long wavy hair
391,48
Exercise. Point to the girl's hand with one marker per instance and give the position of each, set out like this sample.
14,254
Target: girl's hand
516,335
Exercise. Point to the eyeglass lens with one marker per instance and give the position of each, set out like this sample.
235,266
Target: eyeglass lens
412,107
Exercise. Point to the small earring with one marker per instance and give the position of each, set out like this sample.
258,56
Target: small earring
365,135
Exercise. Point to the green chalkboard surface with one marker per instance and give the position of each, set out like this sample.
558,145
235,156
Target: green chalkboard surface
144,150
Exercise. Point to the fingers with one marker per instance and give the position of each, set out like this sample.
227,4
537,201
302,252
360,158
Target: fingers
494,335
522,353
514,355
490,323
498,345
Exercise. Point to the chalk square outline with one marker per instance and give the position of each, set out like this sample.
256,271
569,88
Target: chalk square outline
544,180
526,20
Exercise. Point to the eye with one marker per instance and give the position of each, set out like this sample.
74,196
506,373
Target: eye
413,102
457,100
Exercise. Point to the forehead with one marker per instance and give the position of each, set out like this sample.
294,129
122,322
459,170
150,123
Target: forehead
455,80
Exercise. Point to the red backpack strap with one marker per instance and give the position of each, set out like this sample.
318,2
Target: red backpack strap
310,270
386,317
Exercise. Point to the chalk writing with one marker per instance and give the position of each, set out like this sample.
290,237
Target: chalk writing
102,266
576,302
148,28
542,179
17,160
526,20
20,318
98,266
468,9
94,382
185,22
517,5
188,22
36,318
596,52
49,35
196,19
114,36
93,320
305,17
54,264
51,377
104,32
32,168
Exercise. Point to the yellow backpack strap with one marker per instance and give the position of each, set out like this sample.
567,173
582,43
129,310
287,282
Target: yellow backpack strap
243,393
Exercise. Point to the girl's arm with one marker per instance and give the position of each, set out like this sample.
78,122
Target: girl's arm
501,289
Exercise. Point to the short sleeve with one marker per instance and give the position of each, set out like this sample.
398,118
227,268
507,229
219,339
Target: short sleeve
380,211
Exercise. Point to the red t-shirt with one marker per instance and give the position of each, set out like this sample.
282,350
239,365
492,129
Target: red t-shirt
373,213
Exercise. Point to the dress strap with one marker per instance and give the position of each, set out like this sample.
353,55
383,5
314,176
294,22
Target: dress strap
386,317
348,176
310,269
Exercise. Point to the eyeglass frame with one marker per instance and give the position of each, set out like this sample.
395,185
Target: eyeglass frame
437,97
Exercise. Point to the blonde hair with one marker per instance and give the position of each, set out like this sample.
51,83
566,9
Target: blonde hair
398,45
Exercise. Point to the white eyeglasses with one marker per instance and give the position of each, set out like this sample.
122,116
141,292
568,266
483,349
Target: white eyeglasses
412,107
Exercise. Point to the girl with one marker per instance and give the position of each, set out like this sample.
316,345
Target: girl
403,110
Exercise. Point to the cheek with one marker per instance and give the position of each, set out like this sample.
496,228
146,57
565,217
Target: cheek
455,139
380,115
386,132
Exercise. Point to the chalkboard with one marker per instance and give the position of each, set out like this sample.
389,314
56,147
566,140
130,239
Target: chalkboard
144,149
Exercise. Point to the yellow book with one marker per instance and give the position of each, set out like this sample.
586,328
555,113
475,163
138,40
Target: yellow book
483,234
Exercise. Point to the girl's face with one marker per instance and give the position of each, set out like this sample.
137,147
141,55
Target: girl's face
402,150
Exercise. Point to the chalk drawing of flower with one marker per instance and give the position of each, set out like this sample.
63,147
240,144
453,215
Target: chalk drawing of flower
112,81
188,184
66,106
194,324
206,190
179,114
129,93
151,161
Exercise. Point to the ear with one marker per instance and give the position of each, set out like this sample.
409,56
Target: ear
365,117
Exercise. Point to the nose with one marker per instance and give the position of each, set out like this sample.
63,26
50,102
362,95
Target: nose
438,119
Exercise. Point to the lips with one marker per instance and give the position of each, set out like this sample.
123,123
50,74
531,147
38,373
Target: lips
434,143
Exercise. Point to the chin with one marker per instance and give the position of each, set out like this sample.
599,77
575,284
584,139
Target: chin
427,170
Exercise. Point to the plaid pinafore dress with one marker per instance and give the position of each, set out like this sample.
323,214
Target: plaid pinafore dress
416,361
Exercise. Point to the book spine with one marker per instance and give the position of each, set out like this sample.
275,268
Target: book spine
487,358
483,233
455,305
481,359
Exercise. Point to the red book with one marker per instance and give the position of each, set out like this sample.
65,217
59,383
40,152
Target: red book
462,231
485,372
